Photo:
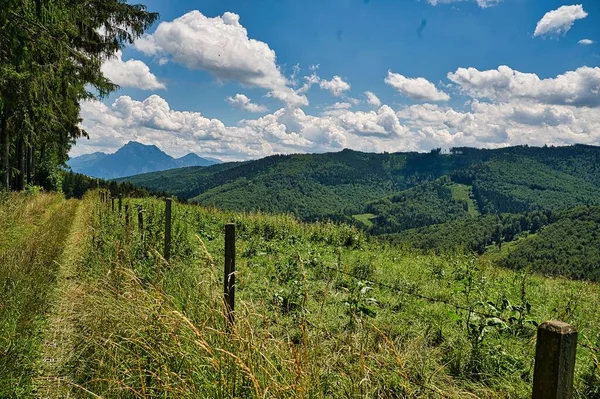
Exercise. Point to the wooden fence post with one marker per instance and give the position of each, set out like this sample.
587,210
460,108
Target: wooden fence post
112,200
140,220
229,275
168,202
120,203
126,214
554,360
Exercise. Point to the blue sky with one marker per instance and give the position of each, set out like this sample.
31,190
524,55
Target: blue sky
446,87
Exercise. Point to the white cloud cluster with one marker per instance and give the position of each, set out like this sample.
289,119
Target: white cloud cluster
130,73
565,112
559,21
580,87
419,89
586,42
480,3
242,102
222,47
336,86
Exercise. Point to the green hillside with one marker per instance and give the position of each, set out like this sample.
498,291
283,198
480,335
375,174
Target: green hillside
426,204
308,185
339,185
569,246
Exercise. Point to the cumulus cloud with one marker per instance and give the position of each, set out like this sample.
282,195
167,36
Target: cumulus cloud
131,73
419,89
221,46
480,3
495,125
372,99
580,87
586,42
336,86
418,127
243,102
559,21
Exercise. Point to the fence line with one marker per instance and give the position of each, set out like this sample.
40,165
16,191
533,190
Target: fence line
556,341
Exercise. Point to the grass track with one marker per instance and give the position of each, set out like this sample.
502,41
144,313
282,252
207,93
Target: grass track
28,271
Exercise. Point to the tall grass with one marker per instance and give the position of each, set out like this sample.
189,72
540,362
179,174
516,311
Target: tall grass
33,229
148,328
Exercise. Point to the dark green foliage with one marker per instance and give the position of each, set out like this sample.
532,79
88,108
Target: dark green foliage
570,246
424,205
75,185
51,53
474,234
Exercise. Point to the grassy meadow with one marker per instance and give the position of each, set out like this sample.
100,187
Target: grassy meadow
321,311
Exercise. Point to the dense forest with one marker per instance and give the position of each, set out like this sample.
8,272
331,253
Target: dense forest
51,52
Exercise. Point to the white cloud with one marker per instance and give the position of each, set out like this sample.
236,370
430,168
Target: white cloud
559,21
372,99
130,73
495,125
309,81
339,106
337,86
417,127
586,42
480,3
419,89
222,47
243,102
580,87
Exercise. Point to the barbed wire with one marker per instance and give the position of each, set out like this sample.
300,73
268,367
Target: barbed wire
179,217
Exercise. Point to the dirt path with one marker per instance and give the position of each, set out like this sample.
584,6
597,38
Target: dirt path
56,350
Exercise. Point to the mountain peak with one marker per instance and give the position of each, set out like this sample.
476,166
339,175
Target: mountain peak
132,159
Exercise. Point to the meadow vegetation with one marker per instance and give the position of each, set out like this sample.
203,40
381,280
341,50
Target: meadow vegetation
322,310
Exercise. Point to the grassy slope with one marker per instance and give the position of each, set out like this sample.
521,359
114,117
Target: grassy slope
37,226
461,192
302,329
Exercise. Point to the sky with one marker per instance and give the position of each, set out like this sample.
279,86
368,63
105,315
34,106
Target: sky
244,79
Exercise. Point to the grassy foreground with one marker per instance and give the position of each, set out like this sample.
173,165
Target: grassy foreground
321,311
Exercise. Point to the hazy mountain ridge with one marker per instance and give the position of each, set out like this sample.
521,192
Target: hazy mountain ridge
132,159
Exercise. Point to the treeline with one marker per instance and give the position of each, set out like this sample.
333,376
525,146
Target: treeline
474,234
75,185
51,52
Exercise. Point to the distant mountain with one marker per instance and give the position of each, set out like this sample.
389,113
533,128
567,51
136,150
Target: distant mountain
85,160
132,159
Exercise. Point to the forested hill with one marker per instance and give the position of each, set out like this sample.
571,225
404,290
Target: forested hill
343,184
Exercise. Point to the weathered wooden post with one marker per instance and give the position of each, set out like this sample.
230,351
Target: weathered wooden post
120,203
554,360
140,220
229,275
168,202
112,200
126,214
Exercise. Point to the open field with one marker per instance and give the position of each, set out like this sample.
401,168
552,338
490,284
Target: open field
321,311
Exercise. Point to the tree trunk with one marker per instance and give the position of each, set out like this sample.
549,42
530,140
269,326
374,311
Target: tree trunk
21,164
32,165
5,151
28,164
